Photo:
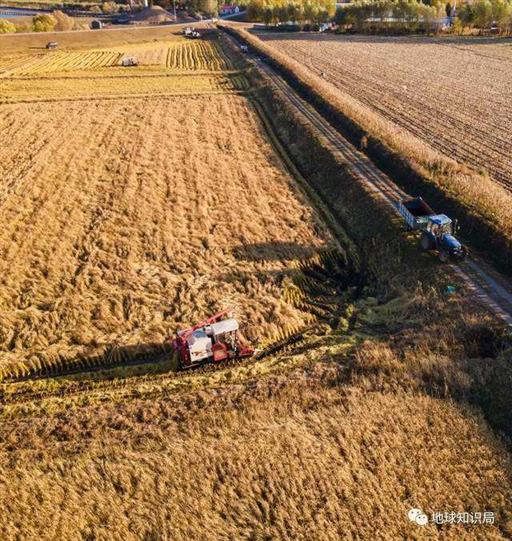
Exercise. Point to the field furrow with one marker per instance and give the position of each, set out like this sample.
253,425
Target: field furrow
456,98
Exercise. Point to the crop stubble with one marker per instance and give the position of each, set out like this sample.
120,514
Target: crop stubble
454,94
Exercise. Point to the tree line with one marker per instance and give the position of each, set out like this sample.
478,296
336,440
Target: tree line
388,14
486,13
44,22
282,11
413,15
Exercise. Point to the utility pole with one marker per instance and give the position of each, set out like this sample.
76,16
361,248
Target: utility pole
174,9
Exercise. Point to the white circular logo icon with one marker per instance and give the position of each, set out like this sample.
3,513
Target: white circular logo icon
417,516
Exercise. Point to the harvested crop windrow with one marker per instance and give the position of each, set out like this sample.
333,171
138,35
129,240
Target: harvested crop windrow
172,209
68,61
197,55
10,62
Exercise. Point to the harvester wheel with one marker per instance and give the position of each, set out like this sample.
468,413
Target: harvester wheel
425,242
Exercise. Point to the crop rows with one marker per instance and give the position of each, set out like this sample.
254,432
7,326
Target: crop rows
197,55
10,62
68,61
17,90
453,95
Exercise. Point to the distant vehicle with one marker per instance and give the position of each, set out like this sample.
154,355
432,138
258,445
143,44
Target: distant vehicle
437,230
244,49
128,61
96,25
52,45
191,33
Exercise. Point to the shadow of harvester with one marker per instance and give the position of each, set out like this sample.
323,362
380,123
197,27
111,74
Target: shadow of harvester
105,357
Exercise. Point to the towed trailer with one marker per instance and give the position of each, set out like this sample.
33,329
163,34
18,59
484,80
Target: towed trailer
437,230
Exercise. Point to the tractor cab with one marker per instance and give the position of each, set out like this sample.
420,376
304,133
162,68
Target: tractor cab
439,235
439,224
213,340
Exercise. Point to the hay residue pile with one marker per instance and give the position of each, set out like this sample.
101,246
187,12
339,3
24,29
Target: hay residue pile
153,15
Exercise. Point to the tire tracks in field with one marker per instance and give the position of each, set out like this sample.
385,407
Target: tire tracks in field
487,287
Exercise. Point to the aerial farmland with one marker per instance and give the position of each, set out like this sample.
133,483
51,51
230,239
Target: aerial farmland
454,94
159,191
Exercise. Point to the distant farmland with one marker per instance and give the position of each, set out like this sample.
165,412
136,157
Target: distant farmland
455,95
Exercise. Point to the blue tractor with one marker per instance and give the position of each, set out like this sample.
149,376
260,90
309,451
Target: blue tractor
437,230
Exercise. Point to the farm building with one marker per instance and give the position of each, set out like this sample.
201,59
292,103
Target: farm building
228,9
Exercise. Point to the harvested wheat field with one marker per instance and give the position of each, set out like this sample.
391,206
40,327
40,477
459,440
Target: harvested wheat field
305,452
177,55
454,94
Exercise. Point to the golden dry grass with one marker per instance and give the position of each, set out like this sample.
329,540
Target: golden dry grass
125,218
292,456
87,86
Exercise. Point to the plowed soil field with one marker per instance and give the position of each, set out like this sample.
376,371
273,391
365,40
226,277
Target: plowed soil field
455,94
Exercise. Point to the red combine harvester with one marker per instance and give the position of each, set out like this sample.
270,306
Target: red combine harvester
215,339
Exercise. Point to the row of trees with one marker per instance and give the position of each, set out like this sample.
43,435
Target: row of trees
484,13
411,15
193,7
280,11
44,22
408,14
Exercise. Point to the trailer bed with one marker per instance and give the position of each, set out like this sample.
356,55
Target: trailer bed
415,212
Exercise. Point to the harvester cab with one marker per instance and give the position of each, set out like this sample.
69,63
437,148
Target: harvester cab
439,234
215,340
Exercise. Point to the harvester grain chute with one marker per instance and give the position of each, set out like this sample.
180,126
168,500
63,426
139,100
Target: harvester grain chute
437,230
216,339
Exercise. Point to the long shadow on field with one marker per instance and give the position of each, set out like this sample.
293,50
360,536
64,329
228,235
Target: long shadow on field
274,251
116,361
